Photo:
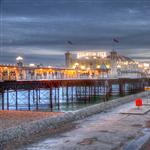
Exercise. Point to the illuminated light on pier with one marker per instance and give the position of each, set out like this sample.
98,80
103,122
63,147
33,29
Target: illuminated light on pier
19,58
76,64
32,65
91,54
49,66
108,66
118,66
98,66
146,65
82,67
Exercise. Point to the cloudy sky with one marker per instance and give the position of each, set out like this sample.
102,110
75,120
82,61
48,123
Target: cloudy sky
39,30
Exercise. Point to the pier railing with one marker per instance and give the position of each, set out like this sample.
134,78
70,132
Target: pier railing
37,78
41,73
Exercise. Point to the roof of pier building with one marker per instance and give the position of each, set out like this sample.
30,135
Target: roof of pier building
119,57
100,55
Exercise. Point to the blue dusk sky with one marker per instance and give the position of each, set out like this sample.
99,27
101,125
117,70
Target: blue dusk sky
38,30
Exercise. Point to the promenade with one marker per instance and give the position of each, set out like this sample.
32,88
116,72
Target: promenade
109,130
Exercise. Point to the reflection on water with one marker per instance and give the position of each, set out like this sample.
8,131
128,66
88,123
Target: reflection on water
75,99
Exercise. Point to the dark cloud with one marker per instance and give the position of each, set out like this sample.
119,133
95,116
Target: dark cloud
30,27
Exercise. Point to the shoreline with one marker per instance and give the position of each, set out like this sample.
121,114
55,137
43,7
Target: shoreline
24,132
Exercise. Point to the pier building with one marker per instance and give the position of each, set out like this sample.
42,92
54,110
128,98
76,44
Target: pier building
113,64
80,65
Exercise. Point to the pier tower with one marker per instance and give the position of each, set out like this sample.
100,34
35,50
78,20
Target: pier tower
20,65
113,60
68,59
19,61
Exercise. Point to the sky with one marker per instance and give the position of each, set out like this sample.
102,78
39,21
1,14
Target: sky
38,30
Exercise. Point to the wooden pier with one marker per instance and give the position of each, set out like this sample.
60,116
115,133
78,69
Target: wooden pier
73,88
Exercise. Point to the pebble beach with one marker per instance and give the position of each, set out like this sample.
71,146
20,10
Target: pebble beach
12,118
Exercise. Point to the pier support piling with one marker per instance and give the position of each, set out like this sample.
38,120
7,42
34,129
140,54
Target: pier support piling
51,98
16,99
2,100
29,100
7,91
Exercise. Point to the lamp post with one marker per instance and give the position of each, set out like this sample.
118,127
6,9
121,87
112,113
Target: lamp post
19,60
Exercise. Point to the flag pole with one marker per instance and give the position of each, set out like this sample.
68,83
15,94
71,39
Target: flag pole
115,41
70,44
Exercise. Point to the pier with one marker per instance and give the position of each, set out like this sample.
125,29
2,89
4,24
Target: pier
87,78
69,90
